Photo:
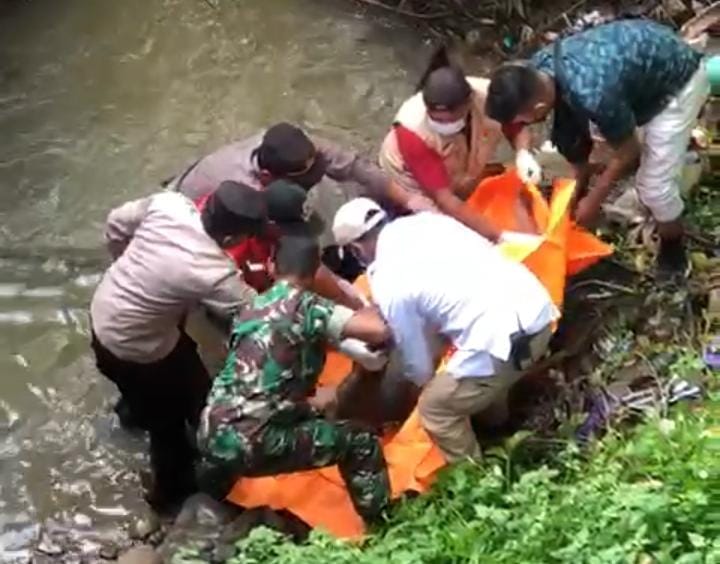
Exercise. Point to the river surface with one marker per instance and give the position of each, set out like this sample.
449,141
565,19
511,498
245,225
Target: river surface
99,101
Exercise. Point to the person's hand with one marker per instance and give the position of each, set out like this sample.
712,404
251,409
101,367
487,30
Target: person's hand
372,360
419,203
325,400
528,169
586,210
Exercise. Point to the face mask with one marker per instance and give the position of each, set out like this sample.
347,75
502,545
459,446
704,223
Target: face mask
446,128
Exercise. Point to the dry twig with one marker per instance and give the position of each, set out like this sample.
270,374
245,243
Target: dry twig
402,11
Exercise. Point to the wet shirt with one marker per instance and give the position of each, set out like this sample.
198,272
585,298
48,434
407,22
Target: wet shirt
622,74
277,351
236,161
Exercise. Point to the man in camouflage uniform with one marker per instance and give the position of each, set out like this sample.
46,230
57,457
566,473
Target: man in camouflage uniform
259,419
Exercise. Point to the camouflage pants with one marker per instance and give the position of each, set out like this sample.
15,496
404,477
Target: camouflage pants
316,443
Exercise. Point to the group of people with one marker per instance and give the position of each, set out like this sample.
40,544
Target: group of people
233,234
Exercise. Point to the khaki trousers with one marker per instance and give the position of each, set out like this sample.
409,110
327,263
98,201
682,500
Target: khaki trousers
446,403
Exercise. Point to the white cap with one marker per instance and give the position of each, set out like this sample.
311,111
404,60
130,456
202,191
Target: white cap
355,218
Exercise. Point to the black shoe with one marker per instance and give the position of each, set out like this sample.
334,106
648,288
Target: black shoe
672,260
168,500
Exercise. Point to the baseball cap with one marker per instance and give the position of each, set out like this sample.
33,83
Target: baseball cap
289,209
287,152
355,218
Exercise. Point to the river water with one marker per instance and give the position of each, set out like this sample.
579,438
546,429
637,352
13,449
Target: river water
99,101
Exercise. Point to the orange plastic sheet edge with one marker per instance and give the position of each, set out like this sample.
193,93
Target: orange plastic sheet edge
319,497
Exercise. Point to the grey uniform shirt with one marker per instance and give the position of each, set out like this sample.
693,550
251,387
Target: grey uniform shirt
235,161
166,264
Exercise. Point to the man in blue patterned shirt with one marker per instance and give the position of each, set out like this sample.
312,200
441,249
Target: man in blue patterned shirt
620,76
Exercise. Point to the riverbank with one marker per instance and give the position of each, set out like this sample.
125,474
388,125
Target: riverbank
500,29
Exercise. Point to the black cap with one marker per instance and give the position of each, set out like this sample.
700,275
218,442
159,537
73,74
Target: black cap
288,208
236,208
287,152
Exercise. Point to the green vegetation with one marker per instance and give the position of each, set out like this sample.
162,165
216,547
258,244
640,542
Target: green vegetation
653,496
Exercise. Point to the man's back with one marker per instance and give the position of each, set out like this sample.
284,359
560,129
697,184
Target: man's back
233,161
620,71
456,283
170,265
277,351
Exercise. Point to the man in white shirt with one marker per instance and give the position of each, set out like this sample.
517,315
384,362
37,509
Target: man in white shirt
430,274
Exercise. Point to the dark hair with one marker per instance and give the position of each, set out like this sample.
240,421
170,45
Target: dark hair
234,209
297,255
438,60
513,86
443,84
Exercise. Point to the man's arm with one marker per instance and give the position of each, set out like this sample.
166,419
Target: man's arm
121,224
453,206
616,122
410,338
228,295
347,165
583,174
328,285
428,169
367,325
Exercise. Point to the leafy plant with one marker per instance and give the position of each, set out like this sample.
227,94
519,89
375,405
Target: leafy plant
651,497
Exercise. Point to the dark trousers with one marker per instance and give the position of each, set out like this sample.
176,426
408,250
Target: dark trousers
164,397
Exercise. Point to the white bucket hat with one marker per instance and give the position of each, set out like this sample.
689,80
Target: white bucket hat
355,218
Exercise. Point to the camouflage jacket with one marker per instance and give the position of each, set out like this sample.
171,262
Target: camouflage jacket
277,351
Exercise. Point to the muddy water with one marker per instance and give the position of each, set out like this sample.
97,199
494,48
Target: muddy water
98,102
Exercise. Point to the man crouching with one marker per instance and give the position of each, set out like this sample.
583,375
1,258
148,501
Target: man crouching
261,419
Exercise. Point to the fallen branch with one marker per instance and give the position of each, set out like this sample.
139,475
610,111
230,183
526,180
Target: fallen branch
603,284
404,12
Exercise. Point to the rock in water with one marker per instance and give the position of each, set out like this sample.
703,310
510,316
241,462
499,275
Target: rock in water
49,547
201,510
144,526
140,555
109,551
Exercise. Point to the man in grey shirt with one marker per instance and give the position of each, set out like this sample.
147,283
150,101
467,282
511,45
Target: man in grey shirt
282,151
168,258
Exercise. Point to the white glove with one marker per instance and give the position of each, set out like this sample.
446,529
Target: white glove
359,352
528,169
517,237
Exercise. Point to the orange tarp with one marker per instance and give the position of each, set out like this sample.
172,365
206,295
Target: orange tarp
319,497
563,248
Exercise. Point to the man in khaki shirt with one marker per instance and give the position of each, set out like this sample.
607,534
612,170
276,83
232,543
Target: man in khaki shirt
169,258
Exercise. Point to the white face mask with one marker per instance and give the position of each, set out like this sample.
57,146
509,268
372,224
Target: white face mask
446,128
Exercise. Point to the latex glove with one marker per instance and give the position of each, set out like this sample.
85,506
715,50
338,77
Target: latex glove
517,237
528,169
420,203
360,353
